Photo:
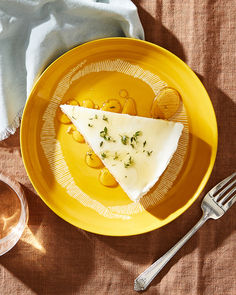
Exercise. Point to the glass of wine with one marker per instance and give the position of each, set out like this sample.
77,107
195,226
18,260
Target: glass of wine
13,213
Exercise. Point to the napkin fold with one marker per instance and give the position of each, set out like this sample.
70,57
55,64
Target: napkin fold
33,33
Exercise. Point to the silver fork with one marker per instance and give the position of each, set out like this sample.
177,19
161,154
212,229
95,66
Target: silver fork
214,205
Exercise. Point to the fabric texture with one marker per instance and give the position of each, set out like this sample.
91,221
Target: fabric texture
54,257
33,33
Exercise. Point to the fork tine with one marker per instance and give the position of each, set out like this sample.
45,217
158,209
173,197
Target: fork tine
227,196
221,184
230,202
229,186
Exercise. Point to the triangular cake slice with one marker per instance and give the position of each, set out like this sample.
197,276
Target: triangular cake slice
136,150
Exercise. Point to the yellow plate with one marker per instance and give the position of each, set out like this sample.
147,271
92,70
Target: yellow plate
55,162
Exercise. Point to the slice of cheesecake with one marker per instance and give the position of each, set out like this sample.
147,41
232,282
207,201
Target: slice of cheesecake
136,150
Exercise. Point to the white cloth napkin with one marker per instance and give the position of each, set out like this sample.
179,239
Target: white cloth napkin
33,33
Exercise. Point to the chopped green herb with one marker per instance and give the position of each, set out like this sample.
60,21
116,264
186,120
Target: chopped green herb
90,125
124,139
134,137
132,145
144,143
129,163
103,133
90,118
101,143
96,116
149,153
103,155
143,151
105,118
73,117
89,154
125,176
112,107
116,156
137,133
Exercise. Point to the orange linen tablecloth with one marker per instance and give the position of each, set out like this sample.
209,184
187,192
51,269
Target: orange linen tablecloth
53,257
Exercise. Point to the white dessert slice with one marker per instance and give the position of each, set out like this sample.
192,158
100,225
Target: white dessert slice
136,150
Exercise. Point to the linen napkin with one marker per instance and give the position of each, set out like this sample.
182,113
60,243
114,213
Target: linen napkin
33,33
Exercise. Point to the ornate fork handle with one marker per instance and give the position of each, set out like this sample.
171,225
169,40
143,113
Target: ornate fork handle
146,277
214,205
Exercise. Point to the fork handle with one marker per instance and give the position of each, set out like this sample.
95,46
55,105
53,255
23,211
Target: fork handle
146,277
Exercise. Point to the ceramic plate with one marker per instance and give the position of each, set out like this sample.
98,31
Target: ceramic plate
115,68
